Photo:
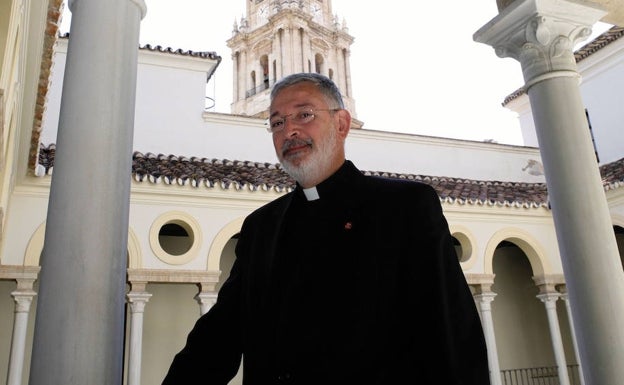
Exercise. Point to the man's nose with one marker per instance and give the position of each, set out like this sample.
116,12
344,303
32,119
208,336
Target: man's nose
290,127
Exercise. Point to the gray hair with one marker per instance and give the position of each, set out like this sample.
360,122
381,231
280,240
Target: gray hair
325,85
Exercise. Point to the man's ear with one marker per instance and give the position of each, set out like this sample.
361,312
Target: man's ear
344,122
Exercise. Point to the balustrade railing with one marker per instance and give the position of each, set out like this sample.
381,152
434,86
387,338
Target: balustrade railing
547,375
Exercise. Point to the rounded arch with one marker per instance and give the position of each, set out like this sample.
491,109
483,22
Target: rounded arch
34,248
469,252
219,241
135,257
529,245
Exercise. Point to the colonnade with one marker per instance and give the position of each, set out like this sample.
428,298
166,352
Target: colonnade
138,298
550,292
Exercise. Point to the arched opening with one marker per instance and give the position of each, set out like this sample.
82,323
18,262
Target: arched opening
521,326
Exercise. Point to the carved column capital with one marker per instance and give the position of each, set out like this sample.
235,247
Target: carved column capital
23,300
541,35
138,300
205,300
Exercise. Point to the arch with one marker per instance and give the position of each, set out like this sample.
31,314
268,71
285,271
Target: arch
529,245
34,248
219,241
468,244
135,257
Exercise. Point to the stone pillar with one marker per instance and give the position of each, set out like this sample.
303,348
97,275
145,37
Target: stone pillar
308,55
297,50
23,297
137,299
287,47
564,296
349,89
550,301
236,95
483,298
279,54
79,329
243,76
541,34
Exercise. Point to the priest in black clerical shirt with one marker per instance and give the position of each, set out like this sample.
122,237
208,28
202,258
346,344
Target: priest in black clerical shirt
349,279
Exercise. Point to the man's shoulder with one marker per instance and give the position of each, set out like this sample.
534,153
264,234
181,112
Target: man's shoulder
273,206
397,185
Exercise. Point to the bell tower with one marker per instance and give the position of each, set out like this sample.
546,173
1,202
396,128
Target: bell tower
277,38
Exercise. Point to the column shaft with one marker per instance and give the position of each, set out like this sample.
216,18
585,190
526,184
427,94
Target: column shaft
137,302
80,313
549,300
23,299
485,309
583,225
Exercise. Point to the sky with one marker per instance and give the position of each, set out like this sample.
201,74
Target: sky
415,67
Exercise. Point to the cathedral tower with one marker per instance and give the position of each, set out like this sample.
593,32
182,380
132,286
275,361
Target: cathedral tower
277,38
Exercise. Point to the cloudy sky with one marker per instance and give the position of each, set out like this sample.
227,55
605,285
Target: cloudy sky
415,67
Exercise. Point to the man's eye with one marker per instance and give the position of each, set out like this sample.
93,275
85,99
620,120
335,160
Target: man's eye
303,115
276,123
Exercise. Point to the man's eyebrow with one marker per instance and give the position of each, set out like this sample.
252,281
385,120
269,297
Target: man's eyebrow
301,105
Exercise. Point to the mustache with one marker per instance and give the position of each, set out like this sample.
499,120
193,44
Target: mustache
297,142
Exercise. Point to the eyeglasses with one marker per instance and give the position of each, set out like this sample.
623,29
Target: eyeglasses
302,117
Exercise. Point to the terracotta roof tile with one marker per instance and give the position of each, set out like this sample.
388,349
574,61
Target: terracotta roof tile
225,173
158,48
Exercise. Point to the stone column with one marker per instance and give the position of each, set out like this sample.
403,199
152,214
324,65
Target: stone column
244,75
279,54
550,301
236,95
137,299
541,35
79,329
349,89
23,297
483,298
564,295
297,50
308,55
287,56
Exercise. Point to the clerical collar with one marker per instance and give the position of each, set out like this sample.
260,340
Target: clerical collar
311,193
331,187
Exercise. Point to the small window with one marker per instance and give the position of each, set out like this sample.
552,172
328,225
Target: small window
175,238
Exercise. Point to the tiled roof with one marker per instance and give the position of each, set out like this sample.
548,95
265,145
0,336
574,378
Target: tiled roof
614,33
204,172
158,48
203,54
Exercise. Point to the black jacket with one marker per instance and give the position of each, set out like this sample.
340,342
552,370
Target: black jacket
362,286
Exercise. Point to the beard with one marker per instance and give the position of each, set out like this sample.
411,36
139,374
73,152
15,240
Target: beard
311,169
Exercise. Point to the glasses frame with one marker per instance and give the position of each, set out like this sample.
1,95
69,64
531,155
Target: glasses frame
298,120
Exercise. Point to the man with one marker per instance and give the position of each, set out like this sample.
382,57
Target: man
348,279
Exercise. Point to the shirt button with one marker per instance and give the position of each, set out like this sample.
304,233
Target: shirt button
284,377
